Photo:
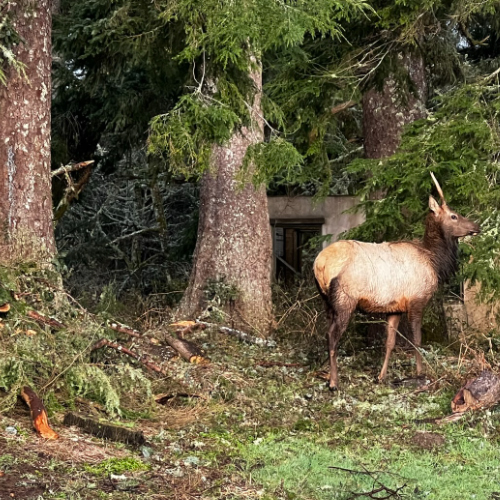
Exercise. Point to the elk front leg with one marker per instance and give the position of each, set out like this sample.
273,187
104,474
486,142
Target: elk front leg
415,317
392,328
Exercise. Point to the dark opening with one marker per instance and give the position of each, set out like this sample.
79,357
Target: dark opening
293,254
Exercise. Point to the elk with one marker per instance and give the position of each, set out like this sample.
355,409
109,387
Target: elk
391,278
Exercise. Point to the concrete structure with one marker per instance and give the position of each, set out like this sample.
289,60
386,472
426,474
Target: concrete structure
296,221
330,214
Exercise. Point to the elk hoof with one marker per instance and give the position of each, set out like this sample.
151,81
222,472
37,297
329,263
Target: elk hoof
332,388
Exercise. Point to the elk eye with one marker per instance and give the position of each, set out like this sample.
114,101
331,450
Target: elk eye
454,217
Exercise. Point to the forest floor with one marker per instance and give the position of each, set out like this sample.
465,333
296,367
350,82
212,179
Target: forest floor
261,424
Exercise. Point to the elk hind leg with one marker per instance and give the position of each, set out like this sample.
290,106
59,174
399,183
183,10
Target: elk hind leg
392,328
341,309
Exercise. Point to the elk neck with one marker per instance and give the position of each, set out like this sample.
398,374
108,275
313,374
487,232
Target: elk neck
443,249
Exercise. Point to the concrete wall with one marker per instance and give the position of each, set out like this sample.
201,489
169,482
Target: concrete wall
331,210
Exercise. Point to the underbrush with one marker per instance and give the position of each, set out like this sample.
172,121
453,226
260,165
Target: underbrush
58,362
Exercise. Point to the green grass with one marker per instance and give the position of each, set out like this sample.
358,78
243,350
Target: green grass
117,466
463,469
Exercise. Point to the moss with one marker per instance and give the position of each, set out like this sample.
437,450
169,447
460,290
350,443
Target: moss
117,466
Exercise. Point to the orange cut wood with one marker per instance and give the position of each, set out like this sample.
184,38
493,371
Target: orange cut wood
38,413
183,324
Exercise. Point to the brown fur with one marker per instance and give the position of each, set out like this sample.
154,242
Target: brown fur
390,278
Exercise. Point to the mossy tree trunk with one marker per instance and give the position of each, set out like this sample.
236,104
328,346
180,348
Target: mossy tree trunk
399,102
25,181
233,248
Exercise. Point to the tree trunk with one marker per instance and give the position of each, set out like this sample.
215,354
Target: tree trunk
386,112
234,237
25,181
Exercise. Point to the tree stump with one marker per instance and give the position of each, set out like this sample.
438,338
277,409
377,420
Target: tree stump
481,392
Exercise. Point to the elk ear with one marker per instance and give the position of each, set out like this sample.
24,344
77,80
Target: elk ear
434,206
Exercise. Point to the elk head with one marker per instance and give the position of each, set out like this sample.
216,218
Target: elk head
452,223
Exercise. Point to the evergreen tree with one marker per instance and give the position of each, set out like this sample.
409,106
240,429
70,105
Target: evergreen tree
217,129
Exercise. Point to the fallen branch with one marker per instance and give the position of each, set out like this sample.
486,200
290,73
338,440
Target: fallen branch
144,359
374,493
118,327
187,350
269,364
246,337
162,399
342,107
73,167
185,327
43,320
104,430
38,413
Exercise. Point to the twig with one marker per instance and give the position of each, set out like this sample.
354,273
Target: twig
470,39
490,77
374,491
381,489
144,359
61,373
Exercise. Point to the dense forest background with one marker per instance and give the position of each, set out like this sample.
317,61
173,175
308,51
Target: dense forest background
140,141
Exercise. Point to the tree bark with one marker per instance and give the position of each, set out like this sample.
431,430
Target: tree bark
25,182
386,112
234,237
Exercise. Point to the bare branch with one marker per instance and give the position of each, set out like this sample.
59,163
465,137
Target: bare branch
72,167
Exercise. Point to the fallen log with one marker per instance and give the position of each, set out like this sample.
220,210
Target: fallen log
187,350
43,320
481,392
105,430
245,337
38,413
144,359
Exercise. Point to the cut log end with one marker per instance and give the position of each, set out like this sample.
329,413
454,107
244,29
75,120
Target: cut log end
38,414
